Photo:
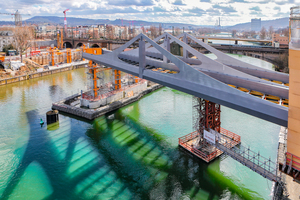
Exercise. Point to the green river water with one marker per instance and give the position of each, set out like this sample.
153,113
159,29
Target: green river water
132,153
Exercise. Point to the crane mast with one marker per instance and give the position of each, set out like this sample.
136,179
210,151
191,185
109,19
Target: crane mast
65,21
18,17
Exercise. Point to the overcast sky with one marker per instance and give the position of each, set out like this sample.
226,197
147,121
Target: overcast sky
199,12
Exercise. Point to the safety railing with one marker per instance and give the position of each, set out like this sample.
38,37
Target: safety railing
251,159
111,93
231,134
183,141
291,157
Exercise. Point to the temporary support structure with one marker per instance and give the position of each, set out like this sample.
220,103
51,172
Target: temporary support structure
61,39
212,116
117,79
202,142
69,56
206,115
93,71
58,40
52,57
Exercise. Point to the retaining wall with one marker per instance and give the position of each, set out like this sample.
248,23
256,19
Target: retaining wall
39,74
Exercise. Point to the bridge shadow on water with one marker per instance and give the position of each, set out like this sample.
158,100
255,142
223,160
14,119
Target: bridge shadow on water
114,159
65,157
147,162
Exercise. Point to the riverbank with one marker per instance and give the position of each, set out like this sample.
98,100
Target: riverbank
71,105
52,70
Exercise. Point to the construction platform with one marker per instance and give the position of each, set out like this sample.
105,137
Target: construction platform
71,105
208,152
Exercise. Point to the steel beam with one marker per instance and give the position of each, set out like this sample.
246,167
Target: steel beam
194,82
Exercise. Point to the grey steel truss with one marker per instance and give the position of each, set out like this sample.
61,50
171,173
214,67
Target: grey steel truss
197,77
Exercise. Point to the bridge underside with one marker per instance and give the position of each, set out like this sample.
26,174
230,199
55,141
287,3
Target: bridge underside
201,77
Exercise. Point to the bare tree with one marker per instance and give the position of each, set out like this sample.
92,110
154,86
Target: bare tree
133,32
271,31
129,32
153,30
143,30
23,37
233,33
285,32
263,32
252,34
160,29
124,34
110,32
246,34
177,31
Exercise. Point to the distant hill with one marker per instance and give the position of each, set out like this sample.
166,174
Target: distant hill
60,20
6,23
276,23
84,21
73,21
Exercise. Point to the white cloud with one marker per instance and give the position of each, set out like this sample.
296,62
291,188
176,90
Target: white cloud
200,12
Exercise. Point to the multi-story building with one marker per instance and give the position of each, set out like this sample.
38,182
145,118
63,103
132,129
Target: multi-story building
6,38
282,40
255,24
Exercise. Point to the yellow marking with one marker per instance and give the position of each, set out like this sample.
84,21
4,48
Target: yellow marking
272,97
256,93
243,89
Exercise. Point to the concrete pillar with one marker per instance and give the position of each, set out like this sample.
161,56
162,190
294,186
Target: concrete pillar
236,42
293,136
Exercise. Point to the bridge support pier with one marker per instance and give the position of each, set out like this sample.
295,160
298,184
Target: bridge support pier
202,142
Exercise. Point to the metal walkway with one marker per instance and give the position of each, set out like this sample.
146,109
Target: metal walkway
256,162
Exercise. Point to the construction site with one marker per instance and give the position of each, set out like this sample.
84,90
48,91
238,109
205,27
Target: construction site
39,62
107,89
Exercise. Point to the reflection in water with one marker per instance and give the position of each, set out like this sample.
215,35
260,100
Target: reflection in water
119,160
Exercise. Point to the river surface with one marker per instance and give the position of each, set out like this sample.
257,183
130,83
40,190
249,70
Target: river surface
128,154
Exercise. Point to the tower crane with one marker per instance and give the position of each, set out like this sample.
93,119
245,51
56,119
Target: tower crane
65,21
18,17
